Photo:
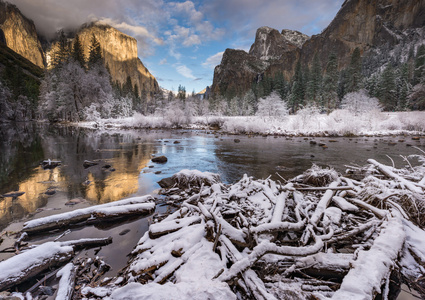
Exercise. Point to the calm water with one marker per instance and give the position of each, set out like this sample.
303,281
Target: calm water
24,146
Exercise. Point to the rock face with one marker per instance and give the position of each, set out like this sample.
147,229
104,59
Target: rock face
120,54
367,25
239,70
295,37
119,50
372,26
236,73
19,34
270,44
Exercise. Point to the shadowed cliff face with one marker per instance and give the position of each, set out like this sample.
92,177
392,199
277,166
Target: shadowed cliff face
271,52
20,34
120,53
368,25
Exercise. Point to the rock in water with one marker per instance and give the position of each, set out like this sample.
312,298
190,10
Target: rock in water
166,182
13,194
88,164
49,164
160,159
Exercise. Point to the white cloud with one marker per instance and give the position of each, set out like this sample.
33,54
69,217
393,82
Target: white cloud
163,61
185,71
190,28
138,31
213,60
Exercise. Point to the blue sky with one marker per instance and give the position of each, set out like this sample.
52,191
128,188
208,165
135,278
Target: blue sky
181,42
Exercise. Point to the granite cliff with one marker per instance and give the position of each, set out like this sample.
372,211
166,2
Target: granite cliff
19,34
120,54
118,49
372,26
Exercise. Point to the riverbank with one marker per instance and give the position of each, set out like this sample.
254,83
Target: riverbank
338,123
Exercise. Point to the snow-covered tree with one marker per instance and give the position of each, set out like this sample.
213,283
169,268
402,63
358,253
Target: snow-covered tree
360,102
272,107
70,93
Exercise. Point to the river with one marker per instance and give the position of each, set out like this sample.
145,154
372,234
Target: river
129,153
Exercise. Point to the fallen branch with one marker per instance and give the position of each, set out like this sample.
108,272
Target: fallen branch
108,211
21,267
266,247
360,282
387,172
67,282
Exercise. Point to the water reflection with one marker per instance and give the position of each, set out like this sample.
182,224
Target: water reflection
129,152
24,147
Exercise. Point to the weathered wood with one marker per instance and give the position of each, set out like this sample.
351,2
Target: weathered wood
109,211
159,229
68,275
266,247
323,188
323,203
22,267
387,172
88,243
380,258
50,164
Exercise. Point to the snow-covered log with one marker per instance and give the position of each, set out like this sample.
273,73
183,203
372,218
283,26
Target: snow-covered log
159,229
267,247
323,203
117,209
372,267
318,237
25,265
67,282
388,172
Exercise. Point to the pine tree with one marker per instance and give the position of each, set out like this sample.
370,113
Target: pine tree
313,88
419,65
355,71
330,83
387,89
181,94
95,52
77,52
61,53
296,99
280,85
402,86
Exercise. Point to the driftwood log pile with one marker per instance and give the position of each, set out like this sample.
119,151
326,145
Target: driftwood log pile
321,235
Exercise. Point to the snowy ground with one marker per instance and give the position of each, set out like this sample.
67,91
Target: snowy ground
338,123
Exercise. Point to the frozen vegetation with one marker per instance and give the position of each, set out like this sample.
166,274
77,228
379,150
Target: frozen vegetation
307,121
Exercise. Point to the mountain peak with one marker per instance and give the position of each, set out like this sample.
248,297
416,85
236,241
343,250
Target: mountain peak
270,44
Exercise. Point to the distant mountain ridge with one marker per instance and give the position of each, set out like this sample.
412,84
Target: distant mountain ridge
371,26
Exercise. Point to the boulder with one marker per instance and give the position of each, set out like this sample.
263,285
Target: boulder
160,159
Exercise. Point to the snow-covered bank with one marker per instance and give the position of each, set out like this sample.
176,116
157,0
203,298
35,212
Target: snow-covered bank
305,122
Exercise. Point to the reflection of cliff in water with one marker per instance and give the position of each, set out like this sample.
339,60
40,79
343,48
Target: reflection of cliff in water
23,148
20,152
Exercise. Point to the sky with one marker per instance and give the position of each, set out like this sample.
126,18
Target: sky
181,42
